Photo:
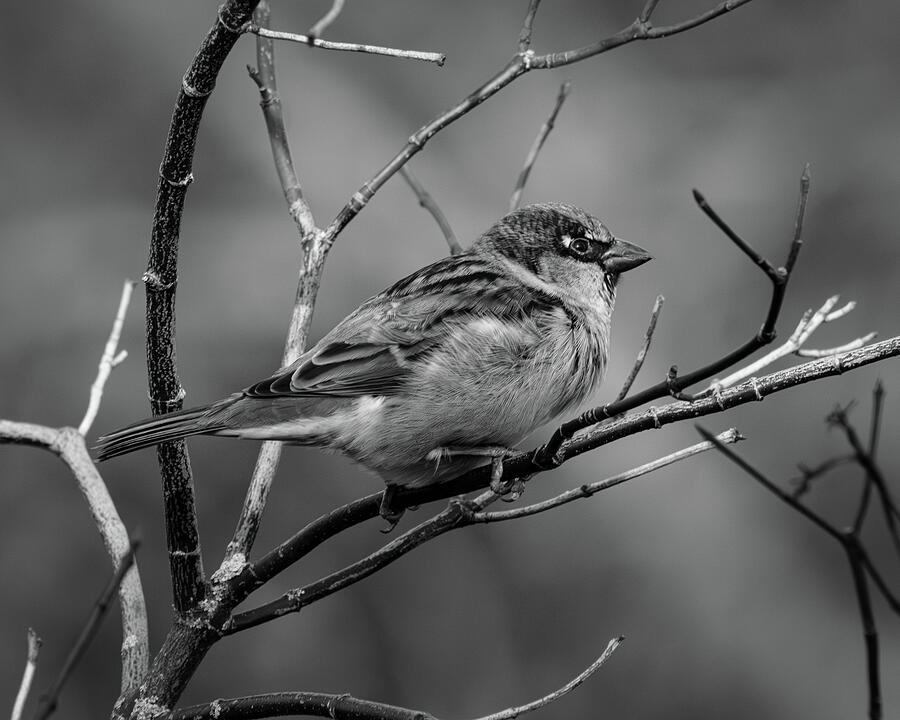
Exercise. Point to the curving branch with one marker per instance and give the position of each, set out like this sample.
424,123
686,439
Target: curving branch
68,444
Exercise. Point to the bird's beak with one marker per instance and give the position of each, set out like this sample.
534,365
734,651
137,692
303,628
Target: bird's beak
623,256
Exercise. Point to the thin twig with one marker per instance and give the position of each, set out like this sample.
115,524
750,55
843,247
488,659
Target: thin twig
326,20
88,633
108,360
589,489
642,353
810,474
536,146
427,202
528,26
648,10
514,712
437,58
34,647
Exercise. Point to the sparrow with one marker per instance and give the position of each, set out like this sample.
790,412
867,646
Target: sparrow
448,367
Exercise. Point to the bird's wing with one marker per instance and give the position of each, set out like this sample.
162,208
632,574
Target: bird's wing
373,349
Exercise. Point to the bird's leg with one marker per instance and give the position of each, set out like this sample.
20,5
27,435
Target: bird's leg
388,510
509,490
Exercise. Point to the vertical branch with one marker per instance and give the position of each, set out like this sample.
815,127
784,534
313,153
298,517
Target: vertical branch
161,278
312,262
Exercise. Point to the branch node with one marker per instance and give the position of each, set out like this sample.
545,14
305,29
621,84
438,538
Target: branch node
717,393
237,30
654,411
153,282
182,183
173,403
192,91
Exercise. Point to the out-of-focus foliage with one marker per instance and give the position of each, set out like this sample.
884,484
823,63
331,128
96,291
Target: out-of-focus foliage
732,605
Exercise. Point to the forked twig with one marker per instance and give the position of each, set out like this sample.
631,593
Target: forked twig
428,202
536,146
108,360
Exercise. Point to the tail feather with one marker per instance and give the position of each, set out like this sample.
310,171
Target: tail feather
154,431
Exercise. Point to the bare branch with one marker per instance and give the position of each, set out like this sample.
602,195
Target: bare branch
108,360
326,20
522,62
427,202
537,145
438,58
297,703
589,489
88,633
69,445
859,564
648,10
514,712
34,646
642,353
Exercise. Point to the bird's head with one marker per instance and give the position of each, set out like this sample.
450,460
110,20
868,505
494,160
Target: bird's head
562,246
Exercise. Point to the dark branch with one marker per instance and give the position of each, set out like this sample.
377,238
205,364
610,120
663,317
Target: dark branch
88,633
427,202
338,707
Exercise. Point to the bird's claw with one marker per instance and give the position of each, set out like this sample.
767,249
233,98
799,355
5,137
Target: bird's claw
388,510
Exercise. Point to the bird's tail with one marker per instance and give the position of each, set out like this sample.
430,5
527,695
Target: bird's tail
153,431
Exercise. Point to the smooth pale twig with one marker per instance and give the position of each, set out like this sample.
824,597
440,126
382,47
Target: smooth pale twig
88,633
108,360
514,712
326,20
809,323
438,58
428,202
537,145
588,489
642,353
34,646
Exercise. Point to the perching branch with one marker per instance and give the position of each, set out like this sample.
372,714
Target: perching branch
539,141
88,633
438,58
457,515
108,360
312,704
427,202
34,647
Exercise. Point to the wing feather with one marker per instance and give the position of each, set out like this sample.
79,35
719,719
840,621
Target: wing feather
371,351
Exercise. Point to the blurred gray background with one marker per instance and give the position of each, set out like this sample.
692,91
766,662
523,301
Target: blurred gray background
732,604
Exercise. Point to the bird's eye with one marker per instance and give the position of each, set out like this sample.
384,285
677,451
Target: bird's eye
580,246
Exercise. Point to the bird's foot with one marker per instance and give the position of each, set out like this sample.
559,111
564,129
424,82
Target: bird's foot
389,510
508,490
